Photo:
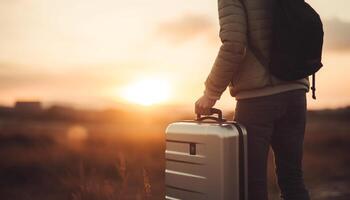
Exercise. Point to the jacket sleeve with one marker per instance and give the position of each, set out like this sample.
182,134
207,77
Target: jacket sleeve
233,31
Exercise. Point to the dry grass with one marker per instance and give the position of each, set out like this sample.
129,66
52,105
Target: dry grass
55,159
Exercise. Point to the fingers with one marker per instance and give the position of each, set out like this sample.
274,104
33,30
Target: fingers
202,108
203,111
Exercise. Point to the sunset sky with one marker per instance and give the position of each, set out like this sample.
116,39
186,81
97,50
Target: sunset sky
97,52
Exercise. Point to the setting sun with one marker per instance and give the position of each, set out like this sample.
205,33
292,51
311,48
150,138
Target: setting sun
147,91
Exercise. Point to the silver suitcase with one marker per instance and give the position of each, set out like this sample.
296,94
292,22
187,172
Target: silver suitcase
206,160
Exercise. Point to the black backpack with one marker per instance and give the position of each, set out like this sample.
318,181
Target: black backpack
297,41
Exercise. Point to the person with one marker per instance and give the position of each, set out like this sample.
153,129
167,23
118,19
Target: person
273,111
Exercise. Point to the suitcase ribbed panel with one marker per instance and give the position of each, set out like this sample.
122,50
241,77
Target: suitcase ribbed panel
202,161
183,147
185,158
190,168
176,193
185,181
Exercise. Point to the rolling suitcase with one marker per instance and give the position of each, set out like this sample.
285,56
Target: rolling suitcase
206,159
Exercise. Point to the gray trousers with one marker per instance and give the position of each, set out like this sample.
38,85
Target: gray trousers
277,121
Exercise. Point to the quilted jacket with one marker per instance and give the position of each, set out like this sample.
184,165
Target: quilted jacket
235,65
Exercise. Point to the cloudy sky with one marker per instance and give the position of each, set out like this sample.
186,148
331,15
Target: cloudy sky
87,51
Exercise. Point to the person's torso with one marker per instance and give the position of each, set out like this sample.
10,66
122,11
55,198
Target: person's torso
252,75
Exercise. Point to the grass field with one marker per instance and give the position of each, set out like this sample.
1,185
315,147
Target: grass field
109,156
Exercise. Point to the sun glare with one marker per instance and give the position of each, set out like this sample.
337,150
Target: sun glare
147,92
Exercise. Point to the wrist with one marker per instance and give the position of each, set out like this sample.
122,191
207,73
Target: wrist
211,96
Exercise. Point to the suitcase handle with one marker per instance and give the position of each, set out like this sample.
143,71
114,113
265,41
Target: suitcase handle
212,111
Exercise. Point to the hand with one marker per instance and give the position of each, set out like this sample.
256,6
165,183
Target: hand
203,105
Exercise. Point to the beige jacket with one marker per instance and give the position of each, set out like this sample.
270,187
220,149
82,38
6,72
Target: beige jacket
236,66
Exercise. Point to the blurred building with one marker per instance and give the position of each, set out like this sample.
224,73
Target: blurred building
4,110
28,107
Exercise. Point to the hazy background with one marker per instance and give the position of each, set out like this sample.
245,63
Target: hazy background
97,81
86,52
